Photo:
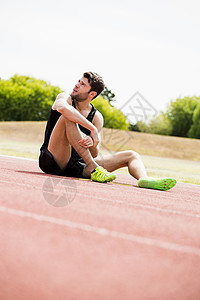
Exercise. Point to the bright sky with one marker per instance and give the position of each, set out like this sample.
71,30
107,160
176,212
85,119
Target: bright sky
152,47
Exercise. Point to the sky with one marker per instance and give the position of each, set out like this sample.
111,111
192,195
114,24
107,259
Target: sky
146,47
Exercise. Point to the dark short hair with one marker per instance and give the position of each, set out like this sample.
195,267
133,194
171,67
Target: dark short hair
96,82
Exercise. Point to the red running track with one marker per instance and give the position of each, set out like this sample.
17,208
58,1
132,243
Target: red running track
64,238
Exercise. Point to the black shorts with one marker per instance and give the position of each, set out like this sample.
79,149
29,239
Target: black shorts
48,165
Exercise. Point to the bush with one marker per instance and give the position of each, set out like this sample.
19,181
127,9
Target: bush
24,98
113,117
142,127
194,131
134,127
181,119
180,113
158,125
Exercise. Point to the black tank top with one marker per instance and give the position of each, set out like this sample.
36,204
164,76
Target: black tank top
52,120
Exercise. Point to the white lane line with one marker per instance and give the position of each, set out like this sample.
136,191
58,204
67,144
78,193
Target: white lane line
18,157
104,231
116,201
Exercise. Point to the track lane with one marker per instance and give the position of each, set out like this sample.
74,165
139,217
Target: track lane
73,263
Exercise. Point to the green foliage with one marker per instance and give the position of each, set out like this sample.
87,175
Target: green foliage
160,125
24,98
194,131
107,94
113,117
157,125
142,127
134,127
181,119
180,113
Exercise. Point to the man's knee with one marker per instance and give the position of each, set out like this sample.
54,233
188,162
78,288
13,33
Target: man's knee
64,120
68,124
131,155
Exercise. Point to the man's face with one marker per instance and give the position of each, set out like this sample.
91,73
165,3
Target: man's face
81,90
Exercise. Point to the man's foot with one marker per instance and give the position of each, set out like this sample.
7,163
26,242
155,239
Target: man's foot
163,184
102,175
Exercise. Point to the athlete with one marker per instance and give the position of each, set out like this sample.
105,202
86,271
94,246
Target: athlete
72,140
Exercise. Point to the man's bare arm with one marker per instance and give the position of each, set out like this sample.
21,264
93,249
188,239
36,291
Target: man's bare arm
98,123
87,141
63,105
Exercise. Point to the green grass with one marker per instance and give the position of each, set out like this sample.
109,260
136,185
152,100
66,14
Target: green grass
19,148
113,139
183,170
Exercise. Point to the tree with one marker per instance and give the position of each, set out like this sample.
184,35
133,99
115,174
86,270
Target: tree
107,94
113,117
160,125
142,126
23,98
194,131
180,113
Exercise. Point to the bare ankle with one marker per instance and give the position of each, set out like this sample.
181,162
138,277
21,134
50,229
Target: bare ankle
92,166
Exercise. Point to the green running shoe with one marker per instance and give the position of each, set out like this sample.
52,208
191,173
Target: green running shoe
163,184
102,175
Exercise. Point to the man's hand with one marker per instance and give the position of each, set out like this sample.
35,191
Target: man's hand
95,136
86,141
89,141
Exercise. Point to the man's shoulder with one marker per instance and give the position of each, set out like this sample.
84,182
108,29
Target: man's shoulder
98,120
98,114
64,96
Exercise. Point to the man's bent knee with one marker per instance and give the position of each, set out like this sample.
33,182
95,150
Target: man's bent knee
130,155
134,154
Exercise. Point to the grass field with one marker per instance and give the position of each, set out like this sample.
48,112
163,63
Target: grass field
162,155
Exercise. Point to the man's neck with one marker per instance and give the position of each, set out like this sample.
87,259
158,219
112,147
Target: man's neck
84,105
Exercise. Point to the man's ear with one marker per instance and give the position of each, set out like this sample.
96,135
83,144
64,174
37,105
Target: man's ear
93,94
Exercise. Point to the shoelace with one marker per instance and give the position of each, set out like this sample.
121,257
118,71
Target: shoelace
103,174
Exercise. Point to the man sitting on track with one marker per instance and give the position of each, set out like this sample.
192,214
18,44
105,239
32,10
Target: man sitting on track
72,140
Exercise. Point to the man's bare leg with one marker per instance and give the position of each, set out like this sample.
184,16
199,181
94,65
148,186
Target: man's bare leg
136,168
64,135
119,160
